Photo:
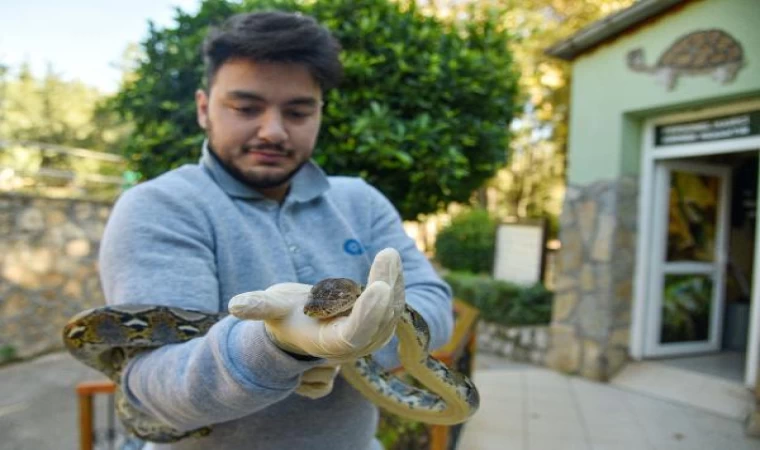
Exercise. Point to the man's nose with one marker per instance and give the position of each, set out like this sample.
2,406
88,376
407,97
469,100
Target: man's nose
272,127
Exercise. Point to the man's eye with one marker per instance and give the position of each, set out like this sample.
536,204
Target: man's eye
298,114
246,110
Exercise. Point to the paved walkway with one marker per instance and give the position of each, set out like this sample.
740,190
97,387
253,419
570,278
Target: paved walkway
530,408
522,408
38,406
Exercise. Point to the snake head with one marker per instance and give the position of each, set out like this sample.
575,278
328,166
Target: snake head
332,297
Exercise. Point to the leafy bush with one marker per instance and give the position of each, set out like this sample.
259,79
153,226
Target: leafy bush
7,353
502,302
467,244
398,433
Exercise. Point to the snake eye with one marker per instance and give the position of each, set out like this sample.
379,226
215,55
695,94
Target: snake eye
76,332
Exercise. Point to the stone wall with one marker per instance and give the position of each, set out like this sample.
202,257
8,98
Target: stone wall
591,314
522,344
48,269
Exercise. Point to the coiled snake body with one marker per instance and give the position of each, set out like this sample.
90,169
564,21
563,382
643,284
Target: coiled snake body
106,338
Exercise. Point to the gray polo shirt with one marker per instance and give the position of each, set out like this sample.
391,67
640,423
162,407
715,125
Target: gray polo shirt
195,237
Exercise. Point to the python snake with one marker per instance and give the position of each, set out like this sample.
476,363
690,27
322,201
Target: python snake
106,338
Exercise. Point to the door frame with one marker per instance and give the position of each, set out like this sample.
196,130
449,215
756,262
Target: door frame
646,201
653,322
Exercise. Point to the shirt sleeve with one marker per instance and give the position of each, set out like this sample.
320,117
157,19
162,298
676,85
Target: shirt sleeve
158,249
426,292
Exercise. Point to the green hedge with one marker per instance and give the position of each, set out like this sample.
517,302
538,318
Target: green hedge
502,302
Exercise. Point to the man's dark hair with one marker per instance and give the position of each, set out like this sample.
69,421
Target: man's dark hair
275,36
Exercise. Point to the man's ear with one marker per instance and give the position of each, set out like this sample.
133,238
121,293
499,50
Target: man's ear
201,107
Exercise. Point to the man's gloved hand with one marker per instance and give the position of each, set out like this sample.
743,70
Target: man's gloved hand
318,381
368,328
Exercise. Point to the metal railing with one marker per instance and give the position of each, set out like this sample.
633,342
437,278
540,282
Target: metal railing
56,171
61,150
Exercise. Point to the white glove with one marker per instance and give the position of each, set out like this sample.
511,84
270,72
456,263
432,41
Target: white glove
368,328
318,381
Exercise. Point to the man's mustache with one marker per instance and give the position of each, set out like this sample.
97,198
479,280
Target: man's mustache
266,148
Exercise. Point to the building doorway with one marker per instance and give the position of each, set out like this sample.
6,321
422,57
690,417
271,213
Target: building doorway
696,300
702,284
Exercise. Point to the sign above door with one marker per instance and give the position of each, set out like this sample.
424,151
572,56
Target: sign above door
707,130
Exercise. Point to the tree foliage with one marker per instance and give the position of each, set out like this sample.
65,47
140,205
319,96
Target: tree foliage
54,110
422,114
532,184
41,119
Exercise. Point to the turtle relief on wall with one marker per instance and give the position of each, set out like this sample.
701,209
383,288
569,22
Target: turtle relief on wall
704,52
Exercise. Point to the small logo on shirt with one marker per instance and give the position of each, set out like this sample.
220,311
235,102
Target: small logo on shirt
353,247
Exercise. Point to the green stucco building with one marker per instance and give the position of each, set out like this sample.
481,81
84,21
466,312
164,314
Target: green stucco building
659,222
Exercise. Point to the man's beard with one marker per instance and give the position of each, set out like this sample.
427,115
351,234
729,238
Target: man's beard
250,179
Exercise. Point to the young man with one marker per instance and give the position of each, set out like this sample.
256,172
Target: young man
257,219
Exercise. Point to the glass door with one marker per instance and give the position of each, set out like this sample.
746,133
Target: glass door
688,259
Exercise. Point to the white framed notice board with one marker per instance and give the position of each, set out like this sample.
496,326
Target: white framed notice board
520,252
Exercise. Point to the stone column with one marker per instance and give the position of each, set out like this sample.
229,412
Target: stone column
591,314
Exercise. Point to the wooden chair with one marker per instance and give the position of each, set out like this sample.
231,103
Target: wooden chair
86,392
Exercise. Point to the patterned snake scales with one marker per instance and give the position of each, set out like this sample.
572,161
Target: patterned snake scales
106,338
